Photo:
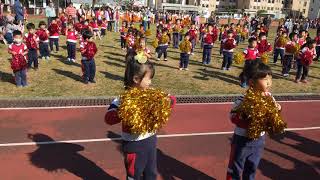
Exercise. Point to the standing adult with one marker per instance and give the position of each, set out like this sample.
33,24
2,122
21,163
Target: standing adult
50,12
18,10
212,18
71,11
81,12
116,19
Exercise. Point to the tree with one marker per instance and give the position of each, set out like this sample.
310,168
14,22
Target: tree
261,12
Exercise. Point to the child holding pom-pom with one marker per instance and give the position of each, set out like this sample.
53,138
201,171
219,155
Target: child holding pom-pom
185,48
290,52
228,45
142,111
304,60
253,114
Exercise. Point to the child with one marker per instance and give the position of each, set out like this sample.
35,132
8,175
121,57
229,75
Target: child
88,50
302,37
31,40
185,48
71,42
139,150
18,63
263,46
63,20
279,47
176,33
223,36
103,27
95,28
305,58
141,47
228,45
251,53
208,40
54,31
163,45
43,35
246,152
123,34
317,39
193,37
289,54
130,40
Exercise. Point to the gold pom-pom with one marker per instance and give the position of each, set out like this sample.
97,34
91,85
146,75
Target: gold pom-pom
265,58
144,111
185,46
262,113
238,57
155,43
164,39
148,32
296,49
283,41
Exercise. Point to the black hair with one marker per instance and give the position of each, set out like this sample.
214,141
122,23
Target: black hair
251,40
230,32
291,35
256,70
41,23
262,34
16,33
187,34
136,69
30,26
87,34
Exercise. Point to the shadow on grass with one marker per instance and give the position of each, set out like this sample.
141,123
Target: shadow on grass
68,74
112,76
206,75
170,168
7,77
63,59
64,156
114,64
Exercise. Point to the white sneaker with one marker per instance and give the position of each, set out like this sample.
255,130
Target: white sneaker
68,59
73,60
180,69
47,58
158,59
186,69
43,58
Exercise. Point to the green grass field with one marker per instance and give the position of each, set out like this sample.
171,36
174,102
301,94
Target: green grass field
58,78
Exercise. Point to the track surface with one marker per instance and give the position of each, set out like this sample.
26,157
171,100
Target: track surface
193,156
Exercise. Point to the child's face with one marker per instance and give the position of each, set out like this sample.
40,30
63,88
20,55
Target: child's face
17,39
145,82
230,35
90,39
263,84
31,31
187,37
193,26
253,44
314,45
42,26
303,34
54,21
295,37
263,38
210,28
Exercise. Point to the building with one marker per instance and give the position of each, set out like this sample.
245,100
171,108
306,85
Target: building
296,8
208,5
225,5
314,9
273,7
178,5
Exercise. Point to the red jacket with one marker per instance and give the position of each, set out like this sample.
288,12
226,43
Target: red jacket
251,54
31,41
18,61
307,55
264,46
229,44
193,34
43,35
88,50
54,30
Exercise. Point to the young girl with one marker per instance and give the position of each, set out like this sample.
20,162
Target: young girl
263,46
71,42
103,27
141,47
123,34
185,48
43,35
208,39
304,60
139,150
246,151
228,45
163,45
279,47
193,37
95,29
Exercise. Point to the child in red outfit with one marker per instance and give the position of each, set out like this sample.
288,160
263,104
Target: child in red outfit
43,35
88,50
54,31
31,39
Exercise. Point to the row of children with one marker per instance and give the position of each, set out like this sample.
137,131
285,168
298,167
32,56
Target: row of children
24,55
139,148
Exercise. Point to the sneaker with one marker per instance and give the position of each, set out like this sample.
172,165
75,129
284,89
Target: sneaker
304,81
86,82
158,59
223,69
186,69
68,59
165,59
180,69
47,58
73,60
93,81
285,75
297,81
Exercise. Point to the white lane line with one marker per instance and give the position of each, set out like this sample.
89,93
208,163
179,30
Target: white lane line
105,106
119,138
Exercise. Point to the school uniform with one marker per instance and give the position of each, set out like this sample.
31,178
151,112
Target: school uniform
176,35
228,46
54,31
184,55
288,58
263,47
71,44
19,63
162,48
103,28
43,42
304,61
88,62
279,50
32,45
250,55
123,34
193,38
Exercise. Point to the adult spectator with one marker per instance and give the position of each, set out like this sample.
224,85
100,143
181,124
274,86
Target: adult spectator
18,10
212,18
116,19
71,11
50,12
81,12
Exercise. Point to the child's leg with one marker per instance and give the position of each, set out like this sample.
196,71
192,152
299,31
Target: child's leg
193,42
73,50
92,70
56,43
276,54
51,43
85,64
282,55
204,54
165,53
209,52
221,48
186,63
24,77
299,70
181,65
160,51
30,58
46,49
230,57
305,72
41,49
69,50
18,79
225,60
252,162
318,52
150,171
35,59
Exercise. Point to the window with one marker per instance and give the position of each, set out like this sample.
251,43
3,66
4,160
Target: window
305,4
268,8
304,11
258,7
254,7
272,1
272,9
311,9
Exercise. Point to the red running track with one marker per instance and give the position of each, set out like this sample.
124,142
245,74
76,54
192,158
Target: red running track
295,155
